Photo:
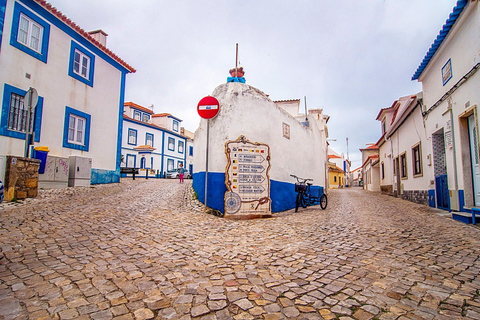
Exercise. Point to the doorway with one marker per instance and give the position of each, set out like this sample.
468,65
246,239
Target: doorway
440,170
472,135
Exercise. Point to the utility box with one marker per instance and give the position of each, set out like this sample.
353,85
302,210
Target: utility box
80,171
55,175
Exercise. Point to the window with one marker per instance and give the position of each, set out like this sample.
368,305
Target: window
175,125
131,159
14,115
18,113
383,170
335,179
30,33
169,165
190,152
146,117
417,160
403,165
171,144
81,64
384,126
132,137
143,163
136,115
149,140
76,131
180,146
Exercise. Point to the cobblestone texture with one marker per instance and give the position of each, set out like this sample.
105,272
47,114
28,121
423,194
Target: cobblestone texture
146,250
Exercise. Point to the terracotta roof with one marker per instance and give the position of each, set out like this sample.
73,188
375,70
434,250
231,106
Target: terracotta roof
137,106
147,148
384,110
330,156
372,147
47,6
373,156
356,169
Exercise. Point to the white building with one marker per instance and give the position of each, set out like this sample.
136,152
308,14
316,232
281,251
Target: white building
80,84
370,168
276,144
404,151
451,96
152,142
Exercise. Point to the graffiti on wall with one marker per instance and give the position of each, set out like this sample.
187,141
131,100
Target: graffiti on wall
246,178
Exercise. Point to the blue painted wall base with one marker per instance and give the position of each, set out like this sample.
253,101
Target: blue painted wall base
282,194
101,176
431,198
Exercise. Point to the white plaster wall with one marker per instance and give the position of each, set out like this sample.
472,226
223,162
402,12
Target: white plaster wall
385,156
410,133
245,110
462,46
60,90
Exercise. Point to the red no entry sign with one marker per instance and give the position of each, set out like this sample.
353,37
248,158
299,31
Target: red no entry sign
208,107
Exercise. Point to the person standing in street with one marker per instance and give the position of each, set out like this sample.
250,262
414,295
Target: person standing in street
181,171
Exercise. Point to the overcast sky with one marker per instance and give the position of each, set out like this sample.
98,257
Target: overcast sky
349,57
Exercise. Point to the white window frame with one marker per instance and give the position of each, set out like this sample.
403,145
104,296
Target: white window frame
76,132
26,37
78,67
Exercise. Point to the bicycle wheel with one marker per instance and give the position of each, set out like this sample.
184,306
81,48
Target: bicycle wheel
323,201
304,201
297,201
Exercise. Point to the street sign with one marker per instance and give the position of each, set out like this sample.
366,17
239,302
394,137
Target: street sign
208,107
31,98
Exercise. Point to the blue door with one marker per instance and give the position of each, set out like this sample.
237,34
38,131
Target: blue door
441,187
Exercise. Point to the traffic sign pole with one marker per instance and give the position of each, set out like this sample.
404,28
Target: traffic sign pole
207,108
206,163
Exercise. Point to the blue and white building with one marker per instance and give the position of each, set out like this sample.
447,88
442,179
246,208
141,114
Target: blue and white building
80,84
451,96
152,142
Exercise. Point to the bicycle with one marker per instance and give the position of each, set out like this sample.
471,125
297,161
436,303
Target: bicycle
304,197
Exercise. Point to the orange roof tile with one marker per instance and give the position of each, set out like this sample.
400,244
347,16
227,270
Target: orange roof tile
330,156
137,106
47,6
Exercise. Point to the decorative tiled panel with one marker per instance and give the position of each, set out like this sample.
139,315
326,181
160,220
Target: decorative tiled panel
438,144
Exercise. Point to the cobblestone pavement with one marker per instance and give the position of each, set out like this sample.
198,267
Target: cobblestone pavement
145,250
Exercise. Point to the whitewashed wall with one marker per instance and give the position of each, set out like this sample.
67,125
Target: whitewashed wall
245,110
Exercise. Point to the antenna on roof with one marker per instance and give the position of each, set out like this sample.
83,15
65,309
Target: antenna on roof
236,60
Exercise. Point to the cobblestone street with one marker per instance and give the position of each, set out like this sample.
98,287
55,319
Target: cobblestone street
145,249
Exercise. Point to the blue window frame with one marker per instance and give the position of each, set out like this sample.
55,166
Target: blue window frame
12,106
132,137
149,139
190,151
180,146
146,117
170,165
151,163
171,144
82,64
137,115
131,160
76,129
30,34
143,163
175,125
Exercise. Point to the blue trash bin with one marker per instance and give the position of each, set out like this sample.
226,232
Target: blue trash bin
41,154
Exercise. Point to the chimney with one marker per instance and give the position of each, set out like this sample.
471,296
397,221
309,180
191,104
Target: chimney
99,35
